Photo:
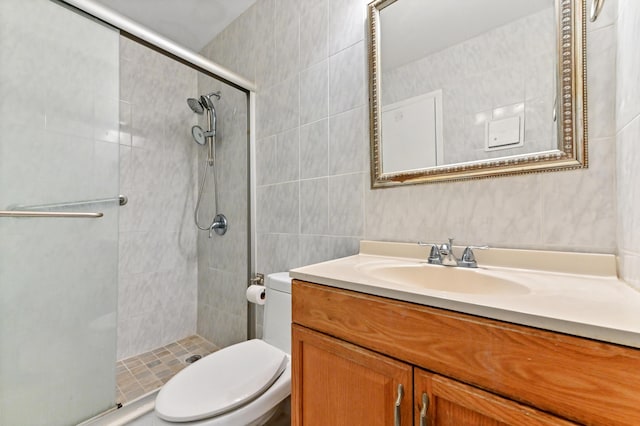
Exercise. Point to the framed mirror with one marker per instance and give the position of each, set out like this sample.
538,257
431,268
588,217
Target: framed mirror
466,89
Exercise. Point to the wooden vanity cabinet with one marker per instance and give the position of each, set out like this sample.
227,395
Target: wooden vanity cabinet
350,351
341,384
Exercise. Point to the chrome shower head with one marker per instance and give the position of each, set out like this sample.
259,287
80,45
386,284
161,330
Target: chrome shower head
205,101
196,105
199,134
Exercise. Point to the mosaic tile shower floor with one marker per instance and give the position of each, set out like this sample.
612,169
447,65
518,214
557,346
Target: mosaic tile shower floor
146,372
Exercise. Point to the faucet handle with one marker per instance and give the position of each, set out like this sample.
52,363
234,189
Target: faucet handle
422,244
434,254
484,247
468,258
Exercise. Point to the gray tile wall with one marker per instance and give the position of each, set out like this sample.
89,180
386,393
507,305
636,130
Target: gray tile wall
158,266
308,59
311,127
628,140
223,260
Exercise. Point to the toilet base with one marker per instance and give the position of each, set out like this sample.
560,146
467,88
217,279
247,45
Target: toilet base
265,418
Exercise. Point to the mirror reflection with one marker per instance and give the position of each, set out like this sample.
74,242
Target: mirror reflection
472,85
466,80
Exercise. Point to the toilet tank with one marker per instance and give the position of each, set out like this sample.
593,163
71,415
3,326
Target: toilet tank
277,311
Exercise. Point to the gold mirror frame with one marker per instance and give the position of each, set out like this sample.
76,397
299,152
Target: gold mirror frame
571,110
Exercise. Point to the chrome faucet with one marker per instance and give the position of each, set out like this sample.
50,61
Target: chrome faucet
447,255
443,255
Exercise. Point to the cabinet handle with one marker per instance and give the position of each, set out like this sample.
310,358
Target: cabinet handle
397,418
423,411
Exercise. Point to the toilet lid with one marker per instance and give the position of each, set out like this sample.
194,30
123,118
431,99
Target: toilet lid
221,381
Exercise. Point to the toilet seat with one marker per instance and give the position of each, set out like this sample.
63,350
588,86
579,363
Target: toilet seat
221,382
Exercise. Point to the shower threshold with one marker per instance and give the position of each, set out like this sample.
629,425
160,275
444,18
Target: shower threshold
148,371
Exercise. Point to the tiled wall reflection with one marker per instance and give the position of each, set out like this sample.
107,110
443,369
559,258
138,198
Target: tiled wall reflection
500,73
158,264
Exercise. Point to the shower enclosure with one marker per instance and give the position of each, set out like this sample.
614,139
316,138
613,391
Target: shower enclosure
58,162
84,282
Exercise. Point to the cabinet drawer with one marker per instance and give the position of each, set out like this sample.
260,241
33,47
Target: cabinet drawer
580,379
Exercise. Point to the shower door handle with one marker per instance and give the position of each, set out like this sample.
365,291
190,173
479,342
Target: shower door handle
74,215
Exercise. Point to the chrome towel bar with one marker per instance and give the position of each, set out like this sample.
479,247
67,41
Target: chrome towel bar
21,213
40,210
122,200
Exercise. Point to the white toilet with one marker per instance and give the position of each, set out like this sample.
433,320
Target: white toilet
241,384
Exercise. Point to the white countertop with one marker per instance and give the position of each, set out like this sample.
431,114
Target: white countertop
560,296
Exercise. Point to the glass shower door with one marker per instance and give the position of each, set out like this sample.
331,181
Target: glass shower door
59,88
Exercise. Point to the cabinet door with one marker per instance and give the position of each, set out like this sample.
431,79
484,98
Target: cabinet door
451,403
336,383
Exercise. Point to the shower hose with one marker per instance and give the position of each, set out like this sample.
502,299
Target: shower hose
208,164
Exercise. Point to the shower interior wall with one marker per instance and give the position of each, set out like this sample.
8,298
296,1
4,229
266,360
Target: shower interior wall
157,287
173,280
223,260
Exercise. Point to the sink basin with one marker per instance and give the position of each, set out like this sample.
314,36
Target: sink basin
446,279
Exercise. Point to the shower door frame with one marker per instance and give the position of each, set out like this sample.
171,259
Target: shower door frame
62,312
135,31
